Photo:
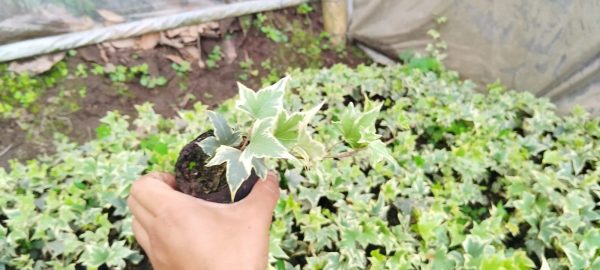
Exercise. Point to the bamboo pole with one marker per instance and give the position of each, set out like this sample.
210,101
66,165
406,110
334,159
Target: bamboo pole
335,18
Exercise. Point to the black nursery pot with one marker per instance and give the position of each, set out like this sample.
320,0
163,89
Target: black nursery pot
207,183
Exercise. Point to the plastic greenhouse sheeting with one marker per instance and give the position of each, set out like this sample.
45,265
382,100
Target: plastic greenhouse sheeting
551,48
24,19
33,27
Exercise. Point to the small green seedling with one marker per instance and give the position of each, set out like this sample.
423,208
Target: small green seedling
152,82
274,132
181,68
214,57
274,34
304,9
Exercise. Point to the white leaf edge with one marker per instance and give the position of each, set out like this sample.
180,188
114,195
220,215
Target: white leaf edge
245,93
222,131
259,130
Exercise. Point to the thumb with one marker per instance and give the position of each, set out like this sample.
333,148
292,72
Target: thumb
264,195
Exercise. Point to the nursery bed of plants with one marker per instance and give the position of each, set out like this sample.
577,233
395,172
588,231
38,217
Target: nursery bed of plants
483,181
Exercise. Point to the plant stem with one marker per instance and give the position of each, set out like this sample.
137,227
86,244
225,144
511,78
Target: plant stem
333,146
244,143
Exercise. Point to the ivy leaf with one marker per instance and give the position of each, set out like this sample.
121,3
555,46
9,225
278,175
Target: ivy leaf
552,157
223,133
347,126
358,128
549,228
473,246
94,255
103,131
367,119
308,148
263,143
260,168
309,114
287,128
267,102
153,143
441,261
117,255
380,152
577,260
591,241
209,145
237,172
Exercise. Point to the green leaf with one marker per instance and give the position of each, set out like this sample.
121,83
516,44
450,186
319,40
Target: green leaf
473,246
263,143
552,157
237,172
442,261
118,252
358,128
309,114
549,229
275,248
596,264
103,131
577,260
153,143
287,128
347,125
424,64
223,133
308,148
209,145
379,152
260,168
591,241
94,256
267,102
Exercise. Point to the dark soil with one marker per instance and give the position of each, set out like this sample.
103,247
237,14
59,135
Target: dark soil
210,86
207,183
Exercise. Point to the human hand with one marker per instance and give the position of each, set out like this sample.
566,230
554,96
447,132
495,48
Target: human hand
179,231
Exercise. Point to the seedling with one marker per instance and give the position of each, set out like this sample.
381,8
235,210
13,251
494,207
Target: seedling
237,155
247,69
152,82
97,69
81,70
214,57
272,72
270,31
304,9
274,34
181,68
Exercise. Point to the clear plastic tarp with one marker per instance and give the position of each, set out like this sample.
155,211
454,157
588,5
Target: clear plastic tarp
550,48
25,19
33,27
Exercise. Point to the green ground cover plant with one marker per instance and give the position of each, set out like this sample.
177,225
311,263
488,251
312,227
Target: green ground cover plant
274,132
19,92
483,181
215,56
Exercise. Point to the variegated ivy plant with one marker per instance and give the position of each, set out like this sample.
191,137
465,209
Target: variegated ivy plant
274,132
